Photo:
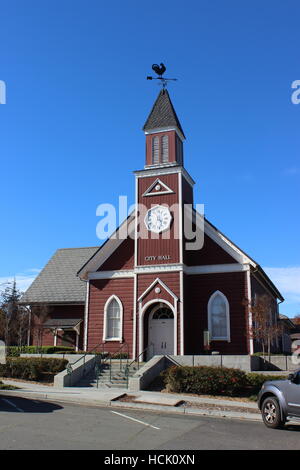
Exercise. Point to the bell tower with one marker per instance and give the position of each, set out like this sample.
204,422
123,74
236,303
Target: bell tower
162,189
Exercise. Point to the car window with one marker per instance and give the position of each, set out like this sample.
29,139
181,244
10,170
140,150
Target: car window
297,378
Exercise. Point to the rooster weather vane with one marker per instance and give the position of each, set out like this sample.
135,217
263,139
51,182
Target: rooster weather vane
160,70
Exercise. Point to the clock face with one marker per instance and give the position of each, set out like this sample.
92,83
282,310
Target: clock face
158,219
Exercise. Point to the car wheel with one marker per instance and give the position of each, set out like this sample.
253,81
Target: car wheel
271,414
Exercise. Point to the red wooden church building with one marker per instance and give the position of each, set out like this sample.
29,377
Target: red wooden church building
150,290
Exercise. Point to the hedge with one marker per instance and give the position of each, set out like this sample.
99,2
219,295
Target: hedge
37,369
204,380
255,381
15,351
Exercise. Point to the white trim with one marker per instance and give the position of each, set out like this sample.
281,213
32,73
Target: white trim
105,338
142,311
180,219
162,284
112,274
158,193
225,338
106,250
216,268
227,245
250,321
86,317
172,169
181,306
136,223
159,130
159,268
134,317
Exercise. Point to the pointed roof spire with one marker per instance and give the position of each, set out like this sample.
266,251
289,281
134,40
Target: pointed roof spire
163,114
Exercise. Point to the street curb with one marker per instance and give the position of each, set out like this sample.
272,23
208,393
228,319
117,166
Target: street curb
77,400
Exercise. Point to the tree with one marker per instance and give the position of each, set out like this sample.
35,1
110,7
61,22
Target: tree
265,328
14,318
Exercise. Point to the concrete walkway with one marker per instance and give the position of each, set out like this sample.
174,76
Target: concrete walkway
155,401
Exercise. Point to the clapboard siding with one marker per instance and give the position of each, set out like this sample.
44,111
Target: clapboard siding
197,291
100,291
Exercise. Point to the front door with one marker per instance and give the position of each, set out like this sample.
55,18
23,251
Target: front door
161,331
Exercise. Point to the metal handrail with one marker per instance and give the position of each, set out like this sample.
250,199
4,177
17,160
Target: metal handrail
136,359
111,356
70,364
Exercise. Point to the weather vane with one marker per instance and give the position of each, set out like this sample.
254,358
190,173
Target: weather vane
160,70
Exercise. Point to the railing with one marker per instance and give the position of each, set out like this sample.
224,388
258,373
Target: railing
137,360
108,360
96,348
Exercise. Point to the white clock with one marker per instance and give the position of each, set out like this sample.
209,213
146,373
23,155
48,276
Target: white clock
158,219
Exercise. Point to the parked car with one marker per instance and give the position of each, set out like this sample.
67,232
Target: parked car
279,400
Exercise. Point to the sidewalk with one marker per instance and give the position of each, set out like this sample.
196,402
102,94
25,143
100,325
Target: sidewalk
142,400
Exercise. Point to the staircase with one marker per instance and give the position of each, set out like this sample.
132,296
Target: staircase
109,375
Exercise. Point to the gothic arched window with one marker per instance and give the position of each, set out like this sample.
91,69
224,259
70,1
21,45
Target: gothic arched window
218,317
113,319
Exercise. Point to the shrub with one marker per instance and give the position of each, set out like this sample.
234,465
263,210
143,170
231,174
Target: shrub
205,380
272,354
255,381
15,351
37,369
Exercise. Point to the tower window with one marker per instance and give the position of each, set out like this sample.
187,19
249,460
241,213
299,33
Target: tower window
155,150
179,151
160,149
165,149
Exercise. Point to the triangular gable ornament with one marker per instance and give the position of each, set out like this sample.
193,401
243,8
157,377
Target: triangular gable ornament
157,188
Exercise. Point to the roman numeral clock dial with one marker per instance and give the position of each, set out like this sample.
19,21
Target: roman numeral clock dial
158,219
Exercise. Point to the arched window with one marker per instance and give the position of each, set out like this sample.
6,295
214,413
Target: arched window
218,317
113,319
163,313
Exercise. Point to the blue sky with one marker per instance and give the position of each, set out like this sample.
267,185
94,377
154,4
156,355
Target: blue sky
77,98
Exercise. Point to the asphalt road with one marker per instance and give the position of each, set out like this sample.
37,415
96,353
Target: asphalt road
32,424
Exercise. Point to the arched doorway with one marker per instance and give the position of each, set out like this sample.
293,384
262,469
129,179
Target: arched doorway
160,330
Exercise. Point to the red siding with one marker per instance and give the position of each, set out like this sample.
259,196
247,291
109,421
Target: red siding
197,291
100,291
122,258
210,253
157,244
61,311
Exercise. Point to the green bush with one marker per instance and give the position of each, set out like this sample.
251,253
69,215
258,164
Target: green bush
15,351
272,354
205,380
255,381
37,369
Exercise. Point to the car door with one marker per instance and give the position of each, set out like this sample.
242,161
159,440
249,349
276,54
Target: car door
293,395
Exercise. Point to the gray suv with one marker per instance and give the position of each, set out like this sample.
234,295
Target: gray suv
279,400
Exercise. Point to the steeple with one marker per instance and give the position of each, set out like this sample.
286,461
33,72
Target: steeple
164,134
163,114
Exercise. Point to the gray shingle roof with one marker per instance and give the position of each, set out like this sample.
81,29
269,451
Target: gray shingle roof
62,322
162,114
57,282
